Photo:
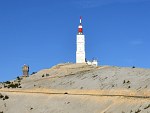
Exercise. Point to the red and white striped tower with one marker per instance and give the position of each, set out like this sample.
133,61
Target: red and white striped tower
80,52
80,31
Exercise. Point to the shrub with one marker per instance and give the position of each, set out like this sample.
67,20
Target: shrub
6,97
128,81
7,82
5,86
19,79
124,82
43,75
33,73
94,76
13,85
1,96
113,85
19,87
81,87
47,74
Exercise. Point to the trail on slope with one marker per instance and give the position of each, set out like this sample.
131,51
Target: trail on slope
110,93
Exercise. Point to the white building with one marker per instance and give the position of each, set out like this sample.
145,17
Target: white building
93,63
80,52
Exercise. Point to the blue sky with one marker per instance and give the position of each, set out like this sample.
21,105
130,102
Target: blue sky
42,33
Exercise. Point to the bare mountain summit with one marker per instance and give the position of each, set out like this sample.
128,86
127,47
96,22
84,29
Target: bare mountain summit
78,88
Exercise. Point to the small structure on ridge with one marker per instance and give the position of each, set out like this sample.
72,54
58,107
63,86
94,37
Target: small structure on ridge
25,70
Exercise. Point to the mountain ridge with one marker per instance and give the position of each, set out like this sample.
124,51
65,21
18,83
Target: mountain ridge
70,88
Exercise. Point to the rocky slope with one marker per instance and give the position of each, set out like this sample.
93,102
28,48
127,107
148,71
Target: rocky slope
72,88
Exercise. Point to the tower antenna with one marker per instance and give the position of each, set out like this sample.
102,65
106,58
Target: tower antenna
80,20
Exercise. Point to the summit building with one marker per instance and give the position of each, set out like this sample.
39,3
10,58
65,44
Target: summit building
80,51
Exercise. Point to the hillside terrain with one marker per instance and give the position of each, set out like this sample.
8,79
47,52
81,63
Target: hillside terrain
72,88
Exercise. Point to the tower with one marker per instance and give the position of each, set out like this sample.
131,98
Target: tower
80,50
25,70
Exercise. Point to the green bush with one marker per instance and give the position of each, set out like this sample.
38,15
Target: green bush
1,96
47,74
7,82
13,85
19,79
6,97
33,73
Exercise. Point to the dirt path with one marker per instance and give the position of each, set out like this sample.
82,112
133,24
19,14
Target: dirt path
108,93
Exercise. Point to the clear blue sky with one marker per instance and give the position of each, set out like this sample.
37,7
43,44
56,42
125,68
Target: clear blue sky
42,33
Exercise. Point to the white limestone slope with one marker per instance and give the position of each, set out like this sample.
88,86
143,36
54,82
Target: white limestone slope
81,76
79,88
